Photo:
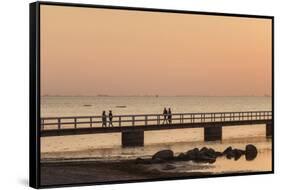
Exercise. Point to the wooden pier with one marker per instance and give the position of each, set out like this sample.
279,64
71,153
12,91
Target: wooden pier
132,127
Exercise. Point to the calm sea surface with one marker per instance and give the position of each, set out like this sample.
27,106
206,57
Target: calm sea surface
72,106
108,146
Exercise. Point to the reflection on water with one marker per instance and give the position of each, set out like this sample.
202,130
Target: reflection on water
108,147
166,138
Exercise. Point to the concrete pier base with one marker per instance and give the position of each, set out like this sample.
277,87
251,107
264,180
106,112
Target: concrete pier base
133,138
268,130
213,133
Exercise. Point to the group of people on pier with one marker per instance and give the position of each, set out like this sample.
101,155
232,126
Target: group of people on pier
167,115
104,119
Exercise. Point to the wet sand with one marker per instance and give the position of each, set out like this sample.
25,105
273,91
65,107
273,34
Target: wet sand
69,172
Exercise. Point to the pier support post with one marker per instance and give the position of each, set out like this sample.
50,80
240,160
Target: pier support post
268,130
133,138
213,133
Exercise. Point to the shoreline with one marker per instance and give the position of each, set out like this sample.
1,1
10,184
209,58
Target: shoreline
77,167
106,171
117,171
72,171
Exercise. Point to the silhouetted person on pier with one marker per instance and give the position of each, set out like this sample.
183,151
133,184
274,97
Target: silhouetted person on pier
165,113
169,115
103,119
110,116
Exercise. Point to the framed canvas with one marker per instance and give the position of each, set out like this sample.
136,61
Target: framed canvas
126,94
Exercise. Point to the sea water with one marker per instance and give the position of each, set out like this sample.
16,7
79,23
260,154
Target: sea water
108,146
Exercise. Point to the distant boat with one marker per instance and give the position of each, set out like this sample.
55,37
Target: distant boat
87,105
121,106
103,95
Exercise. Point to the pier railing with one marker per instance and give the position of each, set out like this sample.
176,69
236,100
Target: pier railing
151,119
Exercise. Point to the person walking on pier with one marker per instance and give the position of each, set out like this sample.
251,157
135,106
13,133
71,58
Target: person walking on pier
103,119
165,113
110,117
169,115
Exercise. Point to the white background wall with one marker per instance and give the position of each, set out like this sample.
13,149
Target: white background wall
14,73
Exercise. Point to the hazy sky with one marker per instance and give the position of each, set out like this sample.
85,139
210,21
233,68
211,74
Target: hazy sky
87,51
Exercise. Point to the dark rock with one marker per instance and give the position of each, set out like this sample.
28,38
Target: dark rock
242,151
237,154
138,160
210,153
230,155
218,154
142,161
227,150
169,167
163,155
251,152
192,154
195,150
208,159
204,155
204,149
181,156
205,159
233,153
211,161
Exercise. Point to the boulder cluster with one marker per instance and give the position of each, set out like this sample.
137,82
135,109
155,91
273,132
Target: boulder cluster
203,155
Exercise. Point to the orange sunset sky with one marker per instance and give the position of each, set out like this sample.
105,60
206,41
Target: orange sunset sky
89,51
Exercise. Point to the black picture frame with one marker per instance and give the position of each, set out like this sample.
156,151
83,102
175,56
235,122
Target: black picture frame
34,98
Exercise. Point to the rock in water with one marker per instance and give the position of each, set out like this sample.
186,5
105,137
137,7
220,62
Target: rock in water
230,154
192,154
237,154
227,151
211,153
163,155
181,156
138,160
217,153
251,152
212,160
204,149
204,155
141,161
205,159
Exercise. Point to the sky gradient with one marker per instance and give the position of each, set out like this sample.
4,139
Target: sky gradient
88,51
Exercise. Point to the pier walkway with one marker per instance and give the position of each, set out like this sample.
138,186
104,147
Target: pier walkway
132,127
